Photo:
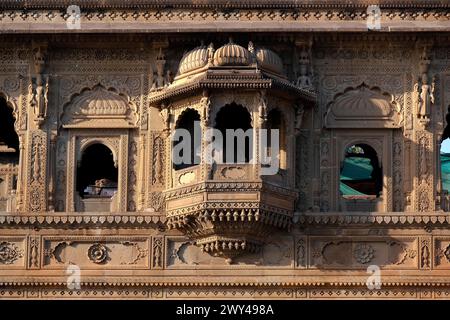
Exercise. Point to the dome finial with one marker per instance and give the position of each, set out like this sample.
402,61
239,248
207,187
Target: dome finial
230,40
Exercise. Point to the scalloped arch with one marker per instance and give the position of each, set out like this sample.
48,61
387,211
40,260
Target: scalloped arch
99,107
362,107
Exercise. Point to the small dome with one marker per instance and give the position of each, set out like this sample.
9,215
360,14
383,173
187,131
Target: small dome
232,54
269,60
194,59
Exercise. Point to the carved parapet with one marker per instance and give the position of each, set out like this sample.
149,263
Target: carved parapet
227,223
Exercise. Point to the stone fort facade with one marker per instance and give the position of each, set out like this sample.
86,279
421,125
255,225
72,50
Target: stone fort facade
87,183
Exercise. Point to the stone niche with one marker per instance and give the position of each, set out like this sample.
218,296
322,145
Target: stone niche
229,208
106,118
183,253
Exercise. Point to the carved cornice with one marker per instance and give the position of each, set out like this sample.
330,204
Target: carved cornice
83,220
401,219
232,81
267,17
142,4
400,281
145,220
242,186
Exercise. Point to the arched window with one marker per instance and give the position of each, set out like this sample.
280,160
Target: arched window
231,118
361,174
188,152
9,141
97,174
445,164
445,155
275,121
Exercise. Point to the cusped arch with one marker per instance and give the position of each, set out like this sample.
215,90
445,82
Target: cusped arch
183,113
105,142
98,107
362,107
12,105
377,147
246,101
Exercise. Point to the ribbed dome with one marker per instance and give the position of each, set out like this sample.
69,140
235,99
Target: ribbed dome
193,59
100,101
362,101
267,59
232,54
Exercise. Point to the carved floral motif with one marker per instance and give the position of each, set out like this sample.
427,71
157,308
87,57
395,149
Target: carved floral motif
98,253
9,253
363,253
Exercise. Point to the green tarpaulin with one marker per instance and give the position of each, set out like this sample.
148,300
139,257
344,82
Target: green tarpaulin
355,168
445,171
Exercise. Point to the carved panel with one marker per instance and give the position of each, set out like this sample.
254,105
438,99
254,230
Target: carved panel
61,172
301,253
34,252
278,252
303,170
425,250
91,252
133,173
397,163
157,258
157,156
37,172
12,252
358,253
441,256
424,200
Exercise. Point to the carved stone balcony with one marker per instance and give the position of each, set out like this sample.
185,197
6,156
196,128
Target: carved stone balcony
227,219
231,207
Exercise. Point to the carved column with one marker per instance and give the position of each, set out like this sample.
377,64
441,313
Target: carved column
142,171
52,171
21,172
205,107
37,171
425,170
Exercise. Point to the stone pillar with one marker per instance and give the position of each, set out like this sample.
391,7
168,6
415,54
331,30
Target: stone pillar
51,172
37,171
425,170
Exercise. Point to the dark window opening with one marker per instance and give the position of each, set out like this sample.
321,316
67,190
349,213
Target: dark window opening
190,121
233,116
445,155
97,174
361,174
9,140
